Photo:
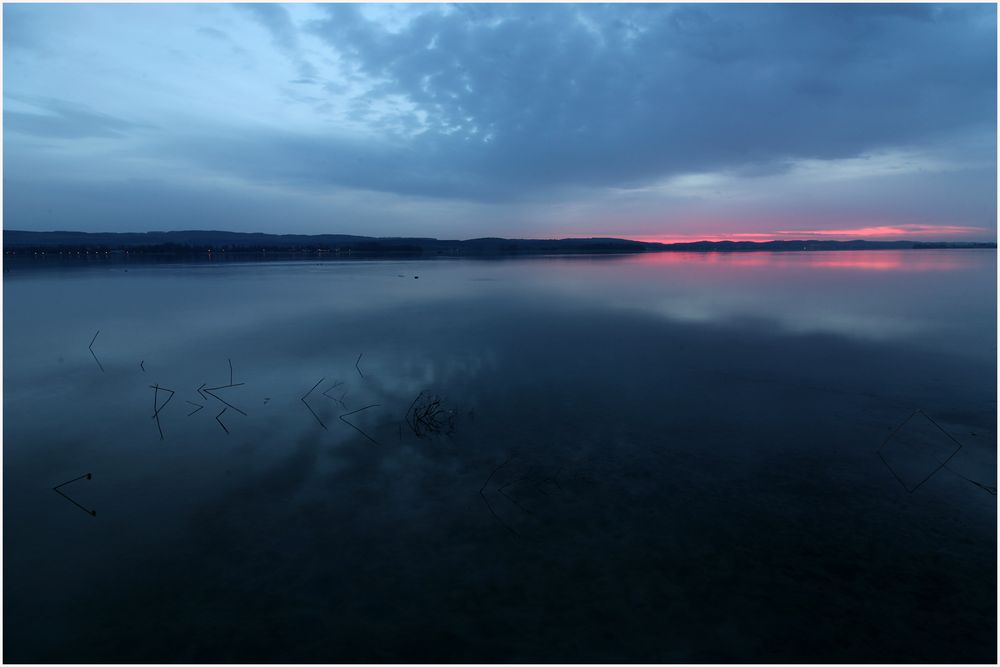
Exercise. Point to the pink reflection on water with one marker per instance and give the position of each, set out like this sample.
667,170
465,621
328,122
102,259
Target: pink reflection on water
860,260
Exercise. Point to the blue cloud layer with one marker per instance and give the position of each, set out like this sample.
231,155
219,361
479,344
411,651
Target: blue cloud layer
503,106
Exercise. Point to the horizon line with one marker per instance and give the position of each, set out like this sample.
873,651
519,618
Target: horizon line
640,239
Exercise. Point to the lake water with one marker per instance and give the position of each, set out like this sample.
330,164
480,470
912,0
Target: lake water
668,457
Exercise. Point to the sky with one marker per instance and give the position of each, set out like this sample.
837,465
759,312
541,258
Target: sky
654,122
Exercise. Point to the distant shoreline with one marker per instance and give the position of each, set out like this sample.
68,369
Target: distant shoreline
18,243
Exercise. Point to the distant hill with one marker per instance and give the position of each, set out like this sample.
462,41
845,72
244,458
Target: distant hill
197,242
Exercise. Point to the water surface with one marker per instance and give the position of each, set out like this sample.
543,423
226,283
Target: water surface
666,457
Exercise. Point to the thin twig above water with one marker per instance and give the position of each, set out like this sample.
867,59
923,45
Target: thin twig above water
88,476
374,405
91,348
309,407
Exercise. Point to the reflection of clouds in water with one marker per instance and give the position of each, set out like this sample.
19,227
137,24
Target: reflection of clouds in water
940,298
852,325
689,412
809,318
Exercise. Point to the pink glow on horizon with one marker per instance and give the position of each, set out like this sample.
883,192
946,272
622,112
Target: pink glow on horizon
890,230
871,232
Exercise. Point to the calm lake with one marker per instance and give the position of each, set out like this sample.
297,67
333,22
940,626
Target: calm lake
665,457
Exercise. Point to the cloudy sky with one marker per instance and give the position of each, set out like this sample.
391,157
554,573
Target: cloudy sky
641,121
